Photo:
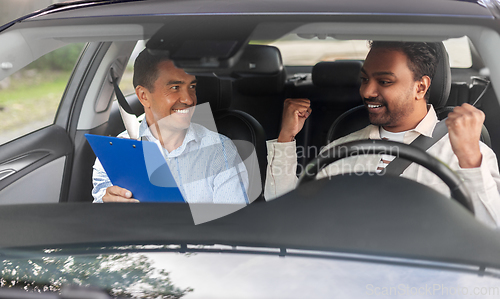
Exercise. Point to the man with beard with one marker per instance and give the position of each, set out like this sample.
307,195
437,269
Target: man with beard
395,81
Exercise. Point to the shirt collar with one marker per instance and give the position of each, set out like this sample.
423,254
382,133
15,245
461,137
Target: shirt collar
425,126
144,131
192,134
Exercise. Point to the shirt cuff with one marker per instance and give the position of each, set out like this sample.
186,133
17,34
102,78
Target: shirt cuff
473,177
281,150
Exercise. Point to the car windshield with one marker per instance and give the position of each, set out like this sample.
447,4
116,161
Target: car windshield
238,127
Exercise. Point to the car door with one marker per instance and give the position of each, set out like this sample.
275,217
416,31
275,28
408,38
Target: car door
44,81
47,159
35,99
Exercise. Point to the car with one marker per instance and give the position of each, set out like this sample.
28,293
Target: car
358,235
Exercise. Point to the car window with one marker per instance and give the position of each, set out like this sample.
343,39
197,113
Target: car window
30,97
308,50
459,52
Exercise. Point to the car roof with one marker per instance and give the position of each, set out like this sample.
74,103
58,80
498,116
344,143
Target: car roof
197,7
150,15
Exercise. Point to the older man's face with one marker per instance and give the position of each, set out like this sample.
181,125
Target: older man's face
173,98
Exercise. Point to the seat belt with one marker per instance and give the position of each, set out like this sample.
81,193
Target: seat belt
398,165
129,118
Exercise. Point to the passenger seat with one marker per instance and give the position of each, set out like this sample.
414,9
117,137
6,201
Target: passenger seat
258,93
333,88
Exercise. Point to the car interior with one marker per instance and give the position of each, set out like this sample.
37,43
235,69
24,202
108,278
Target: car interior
46,174
247,97
250,108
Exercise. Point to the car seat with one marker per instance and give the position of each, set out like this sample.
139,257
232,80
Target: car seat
332,88
235,124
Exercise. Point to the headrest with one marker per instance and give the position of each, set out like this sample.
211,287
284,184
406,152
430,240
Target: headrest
337,73
261,86
441,83
261,69
214,91
259,60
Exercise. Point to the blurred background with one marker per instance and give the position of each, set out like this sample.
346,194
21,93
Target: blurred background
29,98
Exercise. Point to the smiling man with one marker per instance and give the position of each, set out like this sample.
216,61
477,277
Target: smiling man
395,81
205,165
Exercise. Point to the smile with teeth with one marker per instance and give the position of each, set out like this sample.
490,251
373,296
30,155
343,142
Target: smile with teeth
373,106
183,111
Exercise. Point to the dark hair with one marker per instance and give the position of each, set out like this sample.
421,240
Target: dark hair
423,57
146,68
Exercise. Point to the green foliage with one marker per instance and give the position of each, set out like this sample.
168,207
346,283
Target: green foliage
123,275
62,59
31,101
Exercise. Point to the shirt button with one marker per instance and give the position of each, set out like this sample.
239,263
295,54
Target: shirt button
272,184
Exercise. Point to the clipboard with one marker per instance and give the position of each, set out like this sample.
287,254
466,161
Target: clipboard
137,166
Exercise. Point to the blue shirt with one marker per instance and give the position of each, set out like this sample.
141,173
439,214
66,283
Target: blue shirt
206,167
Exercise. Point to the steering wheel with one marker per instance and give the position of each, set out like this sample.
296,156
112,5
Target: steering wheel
410,153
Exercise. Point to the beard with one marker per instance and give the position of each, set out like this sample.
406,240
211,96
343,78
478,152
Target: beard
389,115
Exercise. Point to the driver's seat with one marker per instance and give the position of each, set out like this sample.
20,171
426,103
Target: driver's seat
357,118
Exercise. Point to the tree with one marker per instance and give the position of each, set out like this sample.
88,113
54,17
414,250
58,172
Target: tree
121,275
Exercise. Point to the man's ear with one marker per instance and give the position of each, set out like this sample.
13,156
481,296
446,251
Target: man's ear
422,86
143,96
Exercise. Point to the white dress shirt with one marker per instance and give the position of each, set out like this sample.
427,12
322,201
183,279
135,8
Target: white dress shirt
482,182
